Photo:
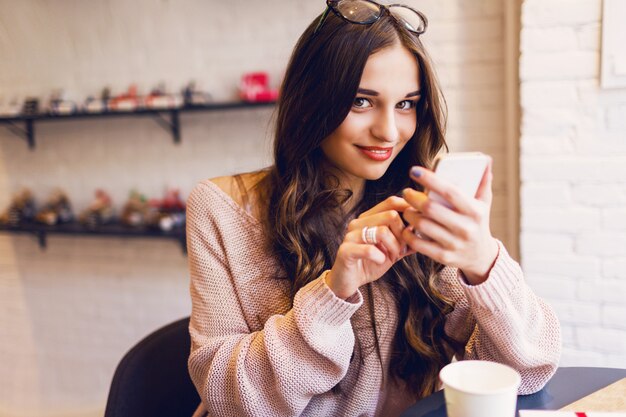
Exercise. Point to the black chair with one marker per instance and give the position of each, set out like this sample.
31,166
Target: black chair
152,378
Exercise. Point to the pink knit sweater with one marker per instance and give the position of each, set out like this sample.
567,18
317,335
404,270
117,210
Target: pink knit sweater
253,355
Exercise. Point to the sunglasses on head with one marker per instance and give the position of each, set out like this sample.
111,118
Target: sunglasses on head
366,12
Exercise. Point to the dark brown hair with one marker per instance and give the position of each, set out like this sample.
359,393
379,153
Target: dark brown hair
302,204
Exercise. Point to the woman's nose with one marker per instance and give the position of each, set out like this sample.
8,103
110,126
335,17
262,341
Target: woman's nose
385,127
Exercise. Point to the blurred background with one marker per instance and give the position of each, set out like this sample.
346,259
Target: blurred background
523,84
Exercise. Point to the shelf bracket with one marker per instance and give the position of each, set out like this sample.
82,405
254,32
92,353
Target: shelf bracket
41,236
27,133
172,125
183,244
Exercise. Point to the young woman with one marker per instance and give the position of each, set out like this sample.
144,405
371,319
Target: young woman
312,292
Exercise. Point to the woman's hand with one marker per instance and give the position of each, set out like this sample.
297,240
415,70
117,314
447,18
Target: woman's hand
458,236
358,262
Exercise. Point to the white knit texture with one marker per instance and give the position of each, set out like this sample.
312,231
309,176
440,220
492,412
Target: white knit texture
252,355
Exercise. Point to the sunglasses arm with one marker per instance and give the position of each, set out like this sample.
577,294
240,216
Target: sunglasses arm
322,19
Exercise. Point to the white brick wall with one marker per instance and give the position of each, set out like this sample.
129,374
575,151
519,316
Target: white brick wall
573,171
68,314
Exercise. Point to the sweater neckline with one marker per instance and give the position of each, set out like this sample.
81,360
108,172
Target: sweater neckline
233,204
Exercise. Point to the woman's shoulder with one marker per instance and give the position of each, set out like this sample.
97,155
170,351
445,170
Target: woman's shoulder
237,192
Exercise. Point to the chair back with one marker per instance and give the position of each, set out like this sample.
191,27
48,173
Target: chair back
152,378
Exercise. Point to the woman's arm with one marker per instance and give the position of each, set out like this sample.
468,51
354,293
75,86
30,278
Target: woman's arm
273,371
502,320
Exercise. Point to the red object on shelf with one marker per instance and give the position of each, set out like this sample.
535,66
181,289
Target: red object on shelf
126,101
254,87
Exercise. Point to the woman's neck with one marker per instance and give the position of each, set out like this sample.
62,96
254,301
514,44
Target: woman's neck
355,185
347,181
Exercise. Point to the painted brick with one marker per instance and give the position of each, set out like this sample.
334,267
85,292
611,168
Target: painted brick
560,12
533,243
603,291
588,36
546,195
549,94
551,287
616,118
575,168
614,268
568,333
585,267
559,220
614,219
554,121
614,316
576,357
601,340
536,39
577,313
605,244
572,65
609,196
600,145
572,135
546,145
615,361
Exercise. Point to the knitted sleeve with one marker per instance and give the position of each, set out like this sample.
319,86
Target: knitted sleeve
502,320
270,372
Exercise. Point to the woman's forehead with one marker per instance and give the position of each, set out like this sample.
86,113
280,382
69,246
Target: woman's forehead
391,68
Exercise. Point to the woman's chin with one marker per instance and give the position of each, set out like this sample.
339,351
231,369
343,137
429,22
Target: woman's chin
374,174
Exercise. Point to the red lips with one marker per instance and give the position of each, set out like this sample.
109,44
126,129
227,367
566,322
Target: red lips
376,153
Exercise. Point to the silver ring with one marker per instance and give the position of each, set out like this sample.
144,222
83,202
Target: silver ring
368,234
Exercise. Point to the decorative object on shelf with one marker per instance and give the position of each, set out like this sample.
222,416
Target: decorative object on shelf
59,103
168,213
192,96
57,210
254,87
10,108
160,99
31,106
135,211
97,105
21,209
99,212
98,219
127,101
23,126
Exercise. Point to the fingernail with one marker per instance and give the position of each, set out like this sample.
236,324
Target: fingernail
416,172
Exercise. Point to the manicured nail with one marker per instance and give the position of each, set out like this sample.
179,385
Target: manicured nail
416,172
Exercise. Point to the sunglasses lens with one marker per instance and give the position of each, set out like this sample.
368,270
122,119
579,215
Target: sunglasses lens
409,17
358,11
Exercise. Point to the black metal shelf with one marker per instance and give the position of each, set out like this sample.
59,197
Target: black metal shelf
113,230
27,132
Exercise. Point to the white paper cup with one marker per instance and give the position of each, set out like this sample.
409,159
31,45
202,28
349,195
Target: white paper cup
480,389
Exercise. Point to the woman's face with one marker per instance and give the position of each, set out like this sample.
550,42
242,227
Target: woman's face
381,121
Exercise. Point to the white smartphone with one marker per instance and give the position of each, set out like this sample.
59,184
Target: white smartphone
464,169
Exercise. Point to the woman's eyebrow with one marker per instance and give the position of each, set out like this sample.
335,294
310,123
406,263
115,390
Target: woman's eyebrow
367,92
376,93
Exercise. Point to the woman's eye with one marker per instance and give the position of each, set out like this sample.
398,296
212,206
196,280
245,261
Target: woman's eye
361,103
406,104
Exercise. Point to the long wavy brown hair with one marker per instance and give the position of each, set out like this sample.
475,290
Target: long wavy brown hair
303,204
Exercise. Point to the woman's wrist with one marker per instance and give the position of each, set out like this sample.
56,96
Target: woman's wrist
478,275
341,291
